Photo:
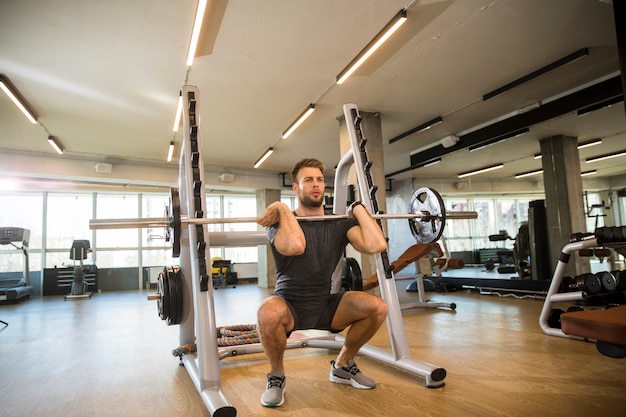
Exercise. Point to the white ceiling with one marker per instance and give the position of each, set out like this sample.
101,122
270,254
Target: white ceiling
104,77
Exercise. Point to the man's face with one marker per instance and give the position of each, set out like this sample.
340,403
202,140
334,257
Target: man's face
310,187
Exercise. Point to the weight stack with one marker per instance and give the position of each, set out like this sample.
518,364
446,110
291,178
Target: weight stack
540,259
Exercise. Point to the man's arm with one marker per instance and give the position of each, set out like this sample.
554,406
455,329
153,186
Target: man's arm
367,237
289,239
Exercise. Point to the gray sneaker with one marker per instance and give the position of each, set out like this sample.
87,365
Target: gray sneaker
350,375
274,395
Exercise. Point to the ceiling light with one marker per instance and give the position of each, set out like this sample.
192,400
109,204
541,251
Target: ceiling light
529,173
538,156
179,112
262,159
589,143
374,44
418,129
480,171
303,116
601,105
497,139
56,144
195,34
17,99
170,152
587,173
606,156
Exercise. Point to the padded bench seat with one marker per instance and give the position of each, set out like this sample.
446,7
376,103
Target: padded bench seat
608,327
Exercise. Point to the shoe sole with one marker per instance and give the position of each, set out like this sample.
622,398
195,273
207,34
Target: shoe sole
272,404
339,380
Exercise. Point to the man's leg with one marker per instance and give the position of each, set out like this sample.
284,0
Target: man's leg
274,322
364,313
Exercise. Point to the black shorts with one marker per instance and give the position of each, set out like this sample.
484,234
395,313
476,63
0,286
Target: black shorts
314,314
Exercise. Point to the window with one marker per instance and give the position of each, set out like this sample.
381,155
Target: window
117,207
24,211
240,206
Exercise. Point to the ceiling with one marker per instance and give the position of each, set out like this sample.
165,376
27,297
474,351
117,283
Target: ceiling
104,77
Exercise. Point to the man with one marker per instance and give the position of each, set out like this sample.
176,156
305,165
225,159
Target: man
306,254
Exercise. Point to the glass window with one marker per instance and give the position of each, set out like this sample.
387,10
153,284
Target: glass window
506,217
157,257
118,258
68,220
23,211
154,206
484,225
240,206
214,211
595,211
122,206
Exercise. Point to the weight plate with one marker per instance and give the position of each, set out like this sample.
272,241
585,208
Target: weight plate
164,296
428,203
353,280
175,220
175,295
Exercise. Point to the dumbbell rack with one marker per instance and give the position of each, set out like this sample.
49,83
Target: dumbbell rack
602,237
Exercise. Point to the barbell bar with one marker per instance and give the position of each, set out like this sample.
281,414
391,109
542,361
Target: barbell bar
149,222
426,218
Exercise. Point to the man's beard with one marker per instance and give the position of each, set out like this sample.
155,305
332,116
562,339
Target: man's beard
307,201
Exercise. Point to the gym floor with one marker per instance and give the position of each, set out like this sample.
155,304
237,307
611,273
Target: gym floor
111,356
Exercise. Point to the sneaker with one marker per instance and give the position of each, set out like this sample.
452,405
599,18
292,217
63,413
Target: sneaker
274,395
350,375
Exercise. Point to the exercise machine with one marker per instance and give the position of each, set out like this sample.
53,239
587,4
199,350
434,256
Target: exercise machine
78,252
605,326
22,288
185,294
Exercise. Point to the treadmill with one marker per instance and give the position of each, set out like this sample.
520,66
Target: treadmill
13,289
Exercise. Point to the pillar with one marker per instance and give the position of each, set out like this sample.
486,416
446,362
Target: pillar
266,266
564,198
372,131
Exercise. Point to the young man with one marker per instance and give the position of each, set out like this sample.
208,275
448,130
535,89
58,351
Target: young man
306,254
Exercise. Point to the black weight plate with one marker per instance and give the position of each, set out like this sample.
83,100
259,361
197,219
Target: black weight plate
608,281
354,275
428,202
175,220
164,296
174,281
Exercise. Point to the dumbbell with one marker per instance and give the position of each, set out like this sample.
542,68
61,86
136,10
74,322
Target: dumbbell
589,283
607,280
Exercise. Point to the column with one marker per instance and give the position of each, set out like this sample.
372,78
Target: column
564,198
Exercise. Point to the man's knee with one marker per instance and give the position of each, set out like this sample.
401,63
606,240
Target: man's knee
273,312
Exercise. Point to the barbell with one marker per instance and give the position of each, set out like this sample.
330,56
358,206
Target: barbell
427,218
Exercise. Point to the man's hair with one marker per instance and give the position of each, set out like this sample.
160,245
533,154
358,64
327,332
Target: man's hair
306,163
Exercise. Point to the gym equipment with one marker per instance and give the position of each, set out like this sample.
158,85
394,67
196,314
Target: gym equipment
607,327
22,288
552,320
79,251
197,317
426,219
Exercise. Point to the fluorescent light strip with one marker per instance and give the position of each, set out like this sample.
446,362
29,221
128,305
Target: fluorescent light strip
418,129
170,152
480,171
262,159
589,143
301,118
179,112
431,163
538,156
195,34
529,173
17,99
56,144
606,156
587,173
373,45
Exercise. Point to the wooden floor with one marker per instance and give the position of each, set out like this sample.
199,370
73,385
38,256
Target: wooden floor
111,356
